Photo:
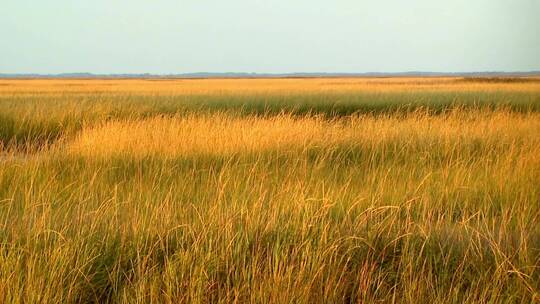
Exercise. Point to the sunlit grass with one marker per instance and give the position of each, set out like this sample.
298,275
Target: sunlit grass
306,198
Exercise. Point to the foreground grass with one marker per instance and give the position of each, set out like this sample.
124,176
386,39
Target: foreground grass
145,206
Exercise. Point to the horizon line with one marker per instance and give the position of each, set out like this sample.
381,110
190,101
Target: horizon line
264,74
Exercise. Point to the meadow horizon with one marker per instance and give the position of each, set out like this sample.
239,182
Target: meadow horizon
363,151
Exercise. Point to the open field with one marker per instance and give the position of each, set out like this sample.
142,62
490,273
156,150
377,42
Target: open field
408,190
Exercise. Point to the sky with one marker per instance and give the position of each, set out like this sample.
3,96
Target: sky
277,36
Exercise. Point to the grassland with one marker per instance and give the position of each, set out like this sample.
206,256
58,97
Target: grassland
404,190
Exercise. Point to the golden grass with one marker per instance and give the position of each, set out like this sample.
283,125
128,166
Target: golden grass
221,134
250,86
210,135
138,201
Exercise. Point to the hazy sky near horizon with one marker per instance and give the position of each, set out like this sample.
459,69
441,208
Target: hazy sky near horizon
168,36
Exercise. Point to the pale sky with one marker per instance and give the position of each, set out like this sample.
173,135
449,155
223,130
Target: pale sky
278,36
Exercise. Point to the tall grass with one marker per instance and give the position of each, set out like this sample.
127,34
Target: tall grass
132,202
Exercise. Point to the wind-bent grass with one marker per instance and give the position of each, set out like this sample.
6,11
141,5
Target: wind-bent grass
129,202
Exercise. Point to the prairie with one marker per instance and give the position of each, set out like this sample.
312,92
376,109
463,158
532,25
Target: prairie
331,190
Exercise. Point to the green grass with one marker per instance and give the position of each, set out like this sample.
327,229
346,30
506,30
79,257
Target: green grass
413,219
